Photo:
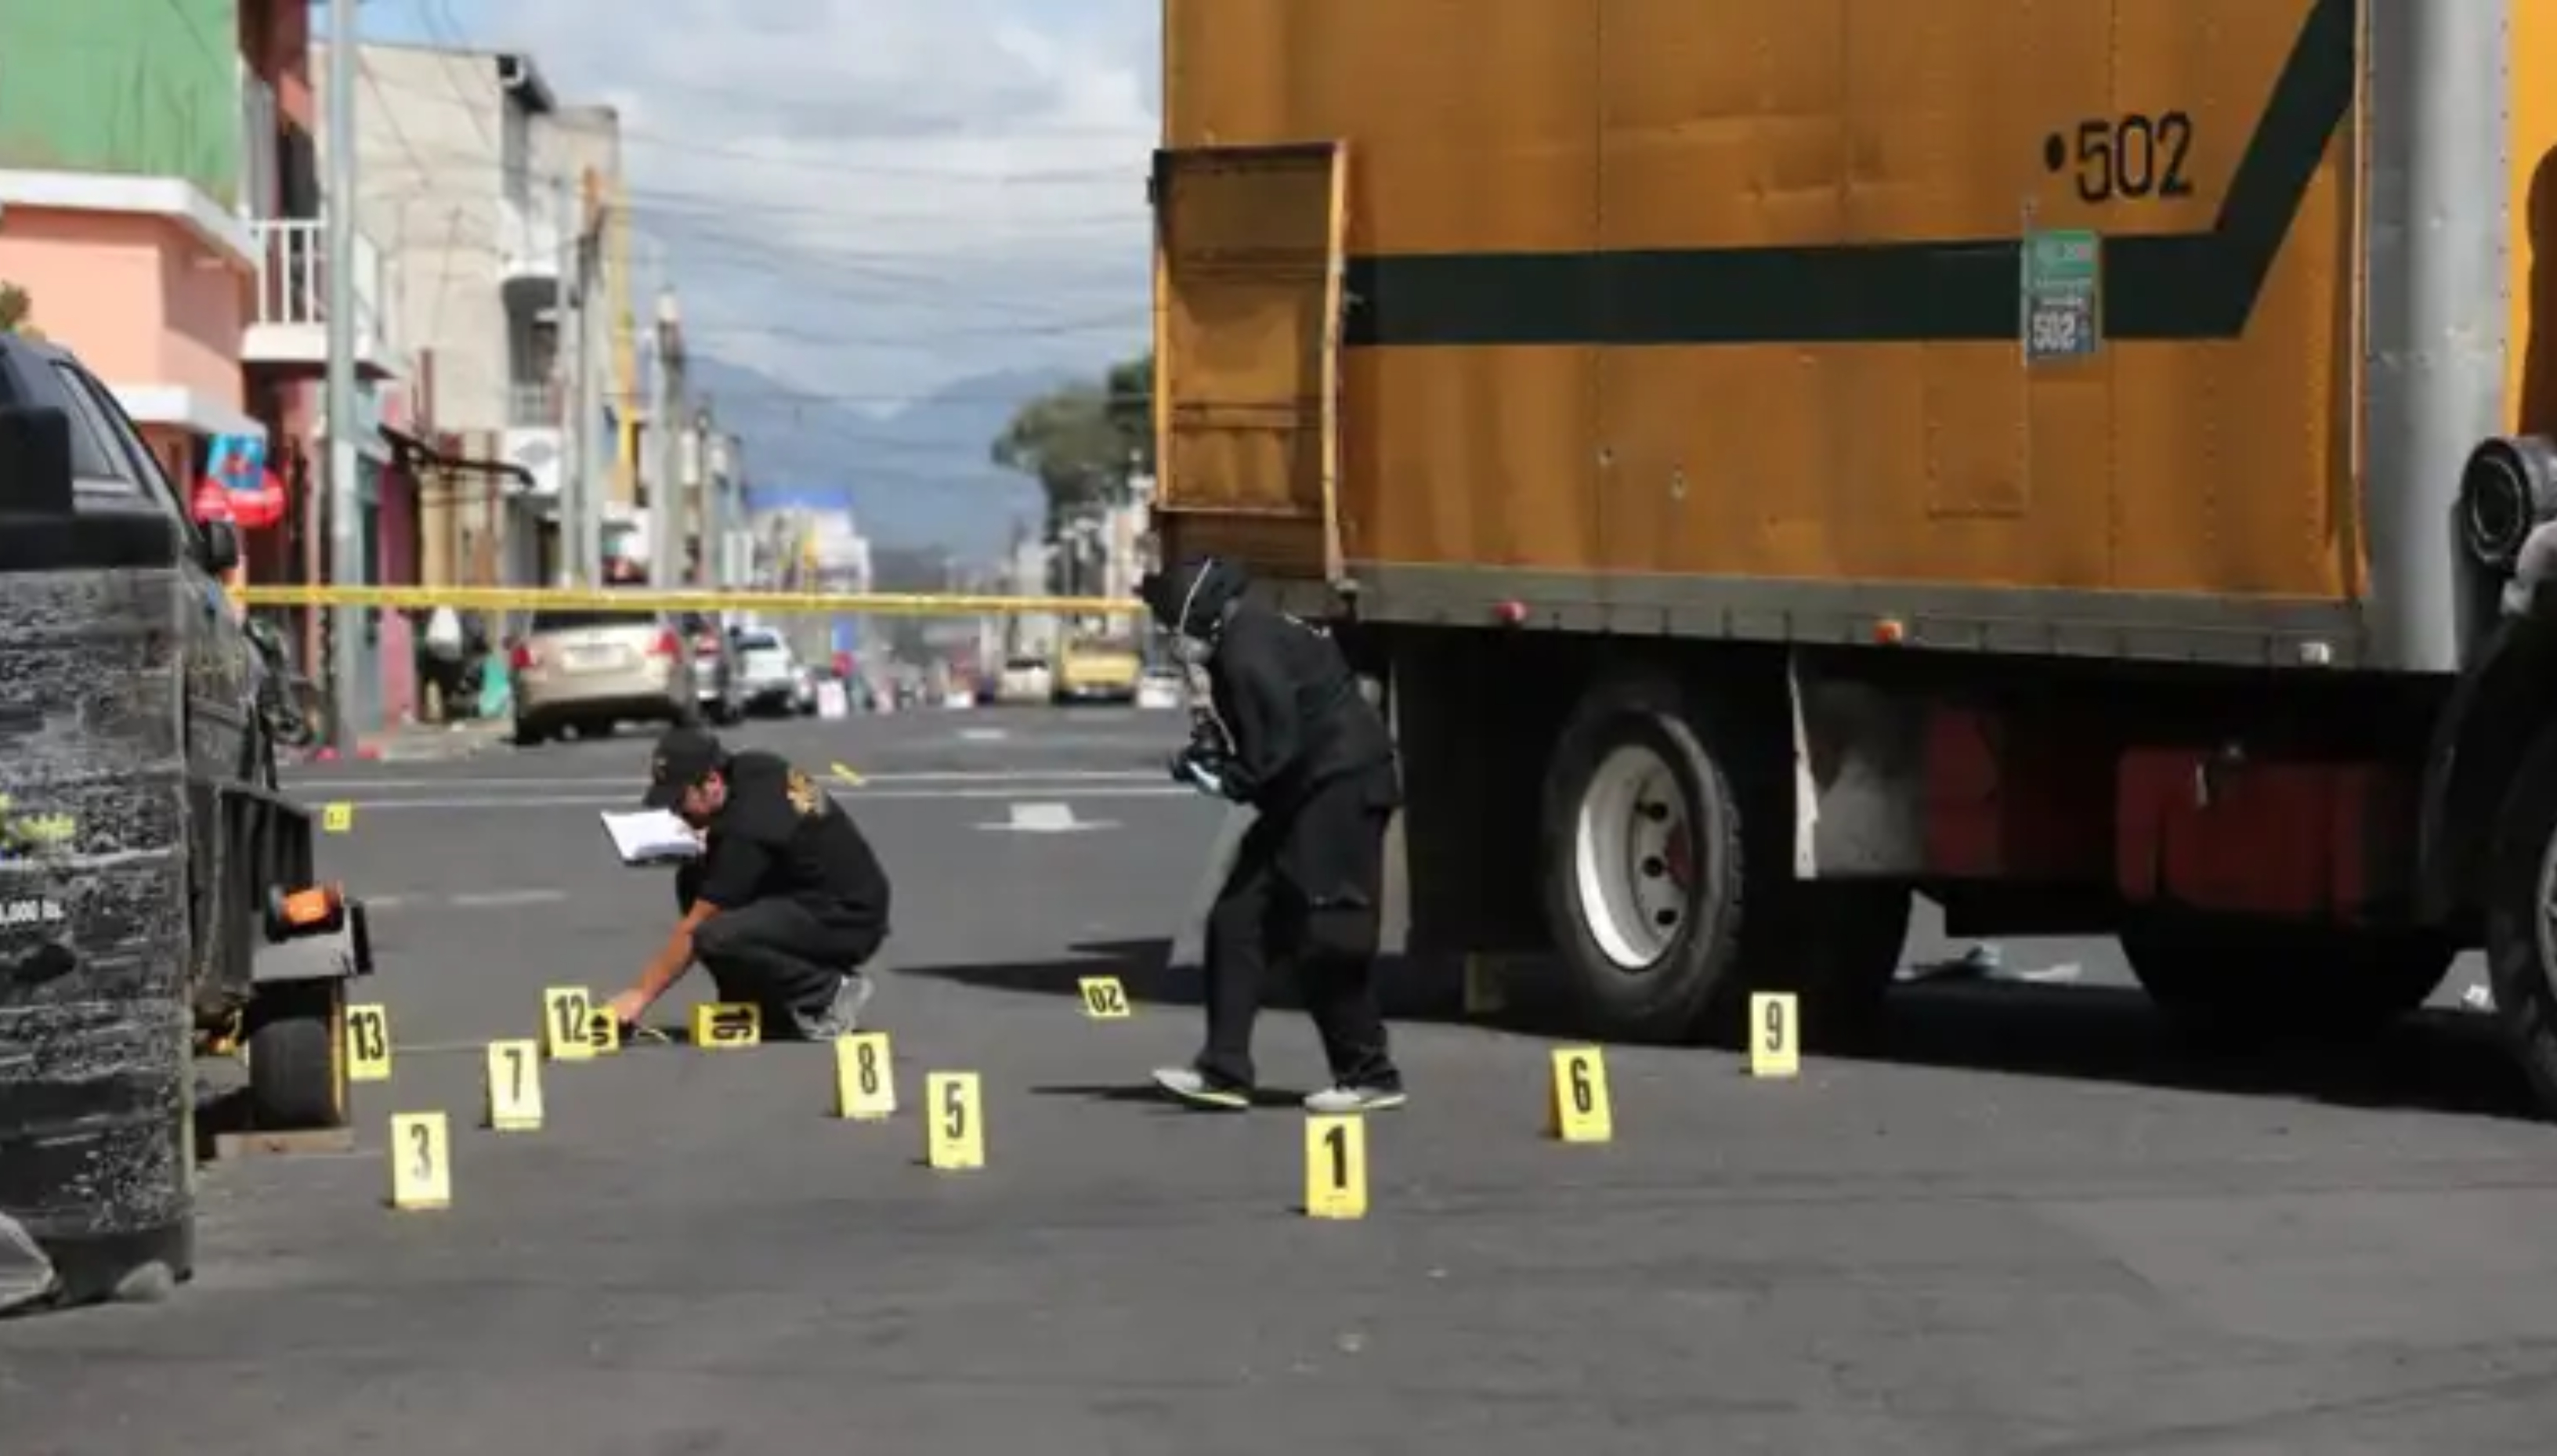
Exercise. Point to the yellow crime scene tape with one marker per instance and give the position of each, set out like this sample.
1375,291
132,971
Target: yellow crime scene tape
640,599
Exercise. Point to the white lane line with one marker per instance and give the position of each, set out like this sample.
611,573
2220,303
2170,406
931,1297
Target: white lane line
850,796
499,899
631,780
1047,819
983,736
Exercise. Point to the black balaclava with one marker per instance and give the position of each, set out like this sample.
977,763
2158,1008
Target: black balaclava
1190,600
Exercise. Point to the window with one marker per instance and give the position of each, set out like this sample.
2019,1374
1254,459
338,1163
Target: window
98,466
147,466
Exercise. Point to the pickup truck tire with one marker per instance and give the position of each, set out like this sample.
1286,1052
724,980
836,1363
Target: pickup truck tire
1642,864
296,1062
2521,920
2237,980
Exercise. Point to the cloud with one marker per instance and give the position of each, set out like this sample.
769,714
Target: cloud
871,198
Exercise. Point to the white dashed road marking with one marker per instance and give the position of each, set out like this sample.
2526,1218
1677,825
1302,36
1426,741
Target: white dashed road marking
1045,819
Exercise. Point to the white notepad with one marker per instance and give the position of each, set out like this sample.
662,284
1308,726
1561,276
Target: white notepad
651,837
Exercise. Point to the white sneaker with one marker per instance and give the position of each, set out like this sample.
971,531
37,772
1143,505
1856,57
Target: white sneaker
1339,1100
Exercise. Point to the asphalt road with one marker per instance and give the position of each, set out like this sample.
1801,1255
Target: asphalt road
2041,1227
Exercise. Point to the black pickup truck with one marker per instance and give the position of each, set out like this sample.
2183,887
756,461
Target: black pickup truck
157,890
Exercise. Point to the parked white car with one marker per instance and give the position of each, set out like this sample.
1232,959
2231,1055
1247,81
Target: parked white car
1024,680
768,676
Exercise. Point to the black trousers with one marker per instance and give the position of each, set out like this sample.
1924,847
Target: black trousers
1306,890
779,954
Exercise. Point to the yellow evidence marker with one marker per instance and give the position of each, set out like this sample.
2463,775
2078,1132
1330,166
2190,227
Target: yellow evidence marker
865,1081
421,1178
954,1133
564,1011
1775,1034
368,1045
338,818
1578,1110
726,1024
1104,999
1336,1168
844,775
516,1086
602,1033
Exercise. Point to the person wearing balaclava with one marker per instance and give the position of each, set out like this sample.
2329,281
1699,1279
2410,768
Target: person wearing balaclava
1306,750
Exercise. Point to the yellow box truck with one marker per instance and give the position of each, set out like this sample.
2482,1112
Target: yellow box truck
2084,463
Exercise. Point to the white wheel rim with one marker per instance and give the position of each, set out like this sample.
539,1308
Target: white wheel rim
1630,856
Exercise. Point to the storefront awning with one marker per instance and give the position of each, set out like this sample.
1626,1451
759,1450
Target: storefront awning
178,407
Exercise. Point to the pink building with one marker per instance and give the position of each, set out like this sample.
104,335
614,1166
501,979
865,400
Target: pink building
161,207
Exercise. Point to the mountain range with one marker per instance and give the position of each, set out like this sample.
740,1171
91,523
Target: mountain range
919,477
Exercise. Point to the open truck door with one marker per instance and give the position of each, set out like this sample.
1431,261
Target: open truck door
1247,266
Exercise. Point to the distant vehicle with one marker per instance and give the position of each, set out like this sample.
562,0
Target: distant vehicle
769,678
589,671
1097,669
715,686
1024,680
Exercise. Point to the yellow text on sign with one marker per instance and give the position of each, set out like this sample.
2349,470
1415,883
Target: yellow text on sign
1336,1168
1104,999
603,1031
1775,1034
564,1010
514,1086
421,1177
865,1083
728,1024
954,1124
368,1045
1580,1110
338,818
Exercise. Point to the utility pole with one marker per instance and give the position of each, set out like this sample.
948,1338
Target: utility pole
569,384
592,343
346,498
666,501
713,452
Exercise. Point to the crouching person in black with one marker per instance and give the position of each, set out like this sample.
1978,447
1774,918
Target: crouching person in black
785,903
1306,750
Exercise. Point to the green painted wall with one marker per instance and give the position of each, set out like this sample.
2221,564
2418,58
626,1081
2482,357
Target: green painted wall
148,87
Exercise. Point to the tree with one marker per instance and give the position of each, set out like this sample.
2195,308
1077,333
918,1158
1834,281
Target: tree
1130,385
1065,441
1082,441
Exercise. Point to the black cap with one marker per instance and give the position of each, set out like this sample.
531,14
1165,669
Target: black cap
683,758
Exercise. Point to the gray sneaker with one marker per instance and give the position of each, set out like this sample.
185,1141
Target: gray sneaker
1198,1090
844,1017
1338,1100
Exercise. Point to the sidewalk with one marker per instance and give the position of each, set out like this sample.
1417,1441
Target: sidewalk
428,743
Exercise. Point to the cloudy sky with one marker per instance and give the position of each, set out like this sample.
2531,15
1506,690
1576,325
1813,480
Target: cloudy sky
868,199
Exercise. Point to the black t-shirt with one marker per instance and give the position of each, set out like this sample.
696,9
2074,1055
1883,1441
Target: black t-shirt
781,834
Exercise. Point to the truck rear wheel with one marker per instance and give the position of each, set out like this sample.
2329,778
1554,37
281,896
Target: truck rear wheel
1643,865
2240,979
297,1059
2521,919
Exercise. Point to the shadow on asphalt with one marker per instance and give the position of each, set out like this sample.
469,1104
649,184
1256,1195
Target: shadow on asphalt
2434,1062
1146,1092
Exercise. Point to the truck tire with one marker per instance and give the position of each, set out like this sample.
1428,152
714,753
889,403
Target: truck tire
2521,922
2242,981
296,1062
1643,865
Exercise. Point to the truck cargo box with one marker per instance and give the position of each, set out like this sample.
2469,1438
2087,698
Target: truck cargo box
2121,328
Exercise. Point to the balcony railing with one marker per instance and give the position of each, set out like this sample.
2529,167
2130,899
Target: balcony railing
291,314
